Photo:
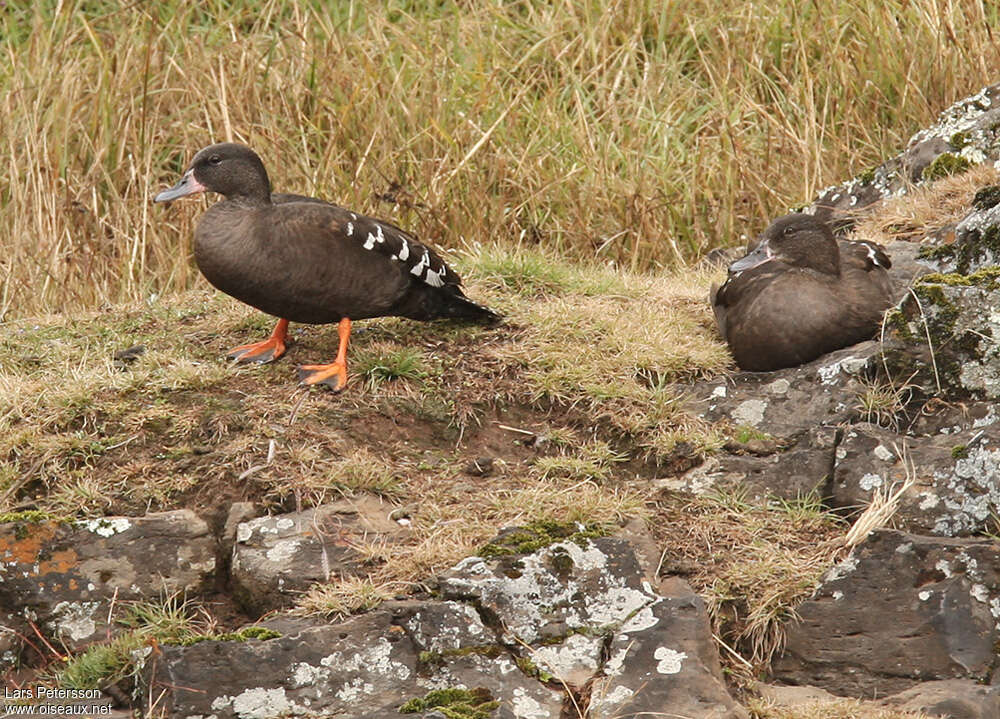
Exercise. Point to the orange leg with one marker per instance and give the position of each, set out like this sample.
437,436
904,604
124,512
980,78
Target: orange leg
262,352
333,375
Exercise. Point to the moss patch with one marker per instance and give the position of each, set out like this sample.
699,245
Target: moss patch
529,668
986,197
536,535
959,451
261,633
974,247
32,515
944,165
454,703
987,278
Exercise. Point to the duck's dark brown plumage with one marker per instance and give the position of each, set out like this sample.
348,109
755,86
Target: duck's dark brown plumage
799,294
305,260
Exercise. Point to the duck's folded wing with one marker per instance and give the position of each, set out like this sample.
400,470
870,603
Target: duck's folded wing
382,238
864,254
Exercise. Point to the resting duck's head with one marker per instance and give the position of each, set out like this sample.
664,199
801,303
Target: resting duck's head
228,168
797,240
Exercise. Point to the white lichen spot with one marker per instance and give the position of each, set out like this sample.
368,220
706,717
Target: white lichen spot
575,654
640,621
670,661
243,532
260,703
356,688
305,674
749,412
841,569
283,550
719,391
870,482
613,667
837,595
924,595
928,500
612,699
75,619
106,526
284,523
526,707
944,567
980,593
828,374
904,548
779,387
884,453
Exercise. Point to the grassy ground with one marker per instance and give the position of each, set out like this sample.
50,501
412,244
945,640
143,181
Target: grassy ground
638,132
573,398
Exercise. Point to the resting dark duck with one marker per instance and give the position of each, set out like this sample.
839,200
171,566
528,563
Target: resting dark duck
305,260
800,294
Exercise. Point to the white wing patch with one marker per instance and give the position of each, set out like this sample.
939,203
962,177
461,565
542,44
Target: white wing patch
372,239
433,278
404,251
425,261
350,229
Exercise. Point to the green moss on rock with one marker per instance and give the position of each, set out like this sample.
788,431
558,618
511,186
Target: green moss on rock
959,451
33,516
988,278
986,197
437,659
242,635
944,165
529,668
959,140
868,176
454,703
531,538
974,247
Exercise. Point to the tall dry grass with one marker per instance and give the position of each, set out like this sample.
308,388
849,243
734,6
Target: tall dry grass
639,131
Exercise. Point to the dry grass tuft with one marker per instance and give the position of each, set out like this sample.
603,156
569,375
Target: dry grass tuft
838,709
753,563
925,209
626,131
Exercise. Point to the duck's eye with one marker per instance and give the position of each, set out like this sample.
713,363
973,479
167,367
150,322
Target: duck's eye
788,231
214,160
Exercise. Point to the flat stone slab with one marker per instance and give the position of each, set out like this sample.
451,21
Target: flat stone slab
956,477
276,558
902,609
62,575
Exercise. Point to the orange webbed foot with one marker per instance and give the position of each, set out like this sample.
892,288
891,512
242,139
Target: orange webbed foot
263,352
333,375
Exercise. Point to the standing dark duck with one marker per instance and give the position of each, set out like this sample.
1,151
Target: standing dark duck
800,294
305,260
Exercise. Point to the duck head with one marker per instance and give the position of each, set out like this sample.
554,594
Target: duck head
797,240
228,168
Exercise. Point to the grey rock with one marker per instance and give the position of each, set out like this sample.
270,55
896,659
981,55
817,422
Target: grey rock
277,557
901,609
786,402
801,466
942,338
951,698
565,603
63,575
968,130
664,657
328,668
956,477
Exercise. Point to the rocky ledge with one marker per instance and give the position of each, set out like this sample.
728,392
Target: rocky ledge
578,624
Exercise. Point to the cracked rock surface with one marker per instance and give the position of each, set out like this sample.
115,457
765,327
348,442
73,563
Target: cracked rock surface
534,630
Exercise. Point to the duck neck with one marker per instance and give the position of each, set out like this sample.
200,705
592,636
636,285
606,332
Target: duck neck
253,188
